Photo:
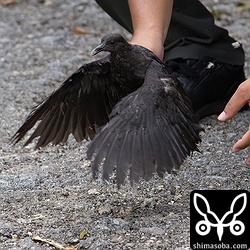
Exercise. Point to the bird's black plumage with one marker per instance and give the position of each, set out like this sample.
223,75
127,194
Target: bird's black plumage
143,117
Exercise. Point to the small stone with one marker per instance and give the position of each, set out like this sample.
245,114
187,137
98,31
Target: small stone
93,191
147,201
153,230
87,163
74,241
106,209
130,244
119,221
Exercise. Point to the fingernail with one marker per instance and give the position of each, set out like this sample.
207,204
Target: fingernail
222,116
248,161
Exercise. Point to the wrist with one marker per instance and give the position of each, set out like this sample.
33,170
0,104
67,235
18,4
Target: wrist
153,41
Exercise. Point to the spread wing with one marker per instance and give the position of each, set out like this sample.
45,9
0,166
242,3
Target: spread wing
151,130
81,105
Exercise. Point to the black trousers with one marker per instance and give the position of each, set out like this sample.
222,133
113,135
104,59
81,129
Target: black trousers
192,33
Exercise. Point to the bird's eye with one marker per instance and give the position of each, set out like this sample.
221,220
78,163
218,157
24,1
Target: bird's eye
112,42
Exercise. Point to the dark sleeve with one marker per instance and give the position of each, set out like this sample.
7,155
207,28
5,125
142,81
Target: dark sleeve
119,11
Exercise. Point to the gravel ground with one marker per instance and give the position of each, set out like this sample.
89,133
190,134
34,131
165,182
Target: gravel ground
49,192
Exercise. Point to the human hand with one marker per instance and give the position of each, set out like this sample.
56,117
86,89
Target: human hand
237,101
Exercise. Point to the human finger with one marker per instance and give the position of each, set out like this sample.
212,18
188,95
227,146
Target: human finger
243,142
237,101
248,160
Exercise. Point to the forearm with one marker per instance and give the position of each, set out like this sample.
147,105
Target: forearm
150,21
152,16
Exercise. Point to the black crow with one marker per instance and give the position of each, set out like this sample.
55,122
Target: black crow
139,117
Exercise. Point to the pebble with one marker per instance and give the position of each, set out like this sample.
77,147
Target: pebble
153,230
106,209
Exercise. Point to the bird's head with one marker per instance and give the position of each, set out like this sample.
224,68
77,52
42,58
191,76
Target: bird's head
110,43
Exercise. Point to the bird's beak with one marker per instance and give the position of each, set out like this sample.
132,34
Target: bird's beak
98,49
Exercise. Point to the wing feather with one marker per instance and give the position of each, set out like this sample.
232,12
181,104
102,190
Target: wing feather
80,106
153,130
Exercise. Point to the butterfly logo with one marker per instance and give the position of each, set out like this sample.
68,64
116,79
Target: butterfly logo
210,219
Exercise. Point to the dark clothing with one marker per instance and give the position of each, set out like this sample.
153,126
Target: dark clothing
192,32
